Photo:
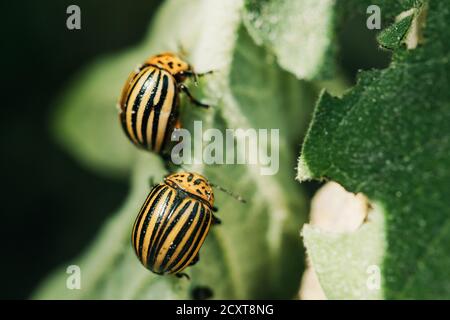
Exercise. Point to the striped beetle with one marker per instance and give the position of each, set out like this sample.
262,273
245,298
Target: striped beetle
149,102
174,222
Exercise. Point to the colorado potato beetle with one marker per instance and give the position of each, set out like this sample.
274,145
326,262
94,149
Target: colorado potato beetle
149,102
174,222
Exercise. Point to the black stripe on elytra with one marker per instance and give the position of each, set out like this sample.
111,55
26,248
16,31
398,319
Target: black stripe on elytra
158,107
138,100
191,239
138,219
149,215
151,257
141,213
162,214
193,214
172,225
148,108
181,234
173,117
123,114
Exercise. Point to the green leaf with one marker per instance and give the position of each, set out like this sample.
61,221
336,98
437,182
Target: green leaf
349,257
256,251
299,33
86,122
392,37
389,139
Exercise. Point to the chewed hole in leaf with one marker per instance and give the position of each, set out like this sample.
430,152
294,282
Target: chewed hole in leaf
333,210
414,36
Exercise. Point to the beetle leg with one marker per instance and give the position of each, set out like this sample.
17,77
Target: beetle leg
141,66
216,220
178,124
195,260
181,275
185,89
152,182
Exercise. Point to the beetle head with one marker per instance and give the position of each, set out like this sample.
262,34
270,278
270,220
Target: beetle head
173,64
192,183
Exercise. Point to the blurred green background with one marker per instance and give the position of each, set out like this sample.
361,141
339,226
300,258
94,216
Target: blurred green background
52,207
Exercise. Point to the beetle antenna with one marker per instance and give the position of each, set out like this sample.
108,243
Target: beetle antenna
199,75
205,73
235,196
196,75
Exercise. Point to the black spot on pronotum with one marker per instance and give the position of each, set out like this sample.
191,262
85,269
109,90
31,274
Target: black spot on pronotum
170,64
197,182
190,177
201,293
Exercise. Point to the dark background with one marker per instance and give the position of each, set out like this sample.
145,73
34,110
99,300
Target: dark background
51,207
